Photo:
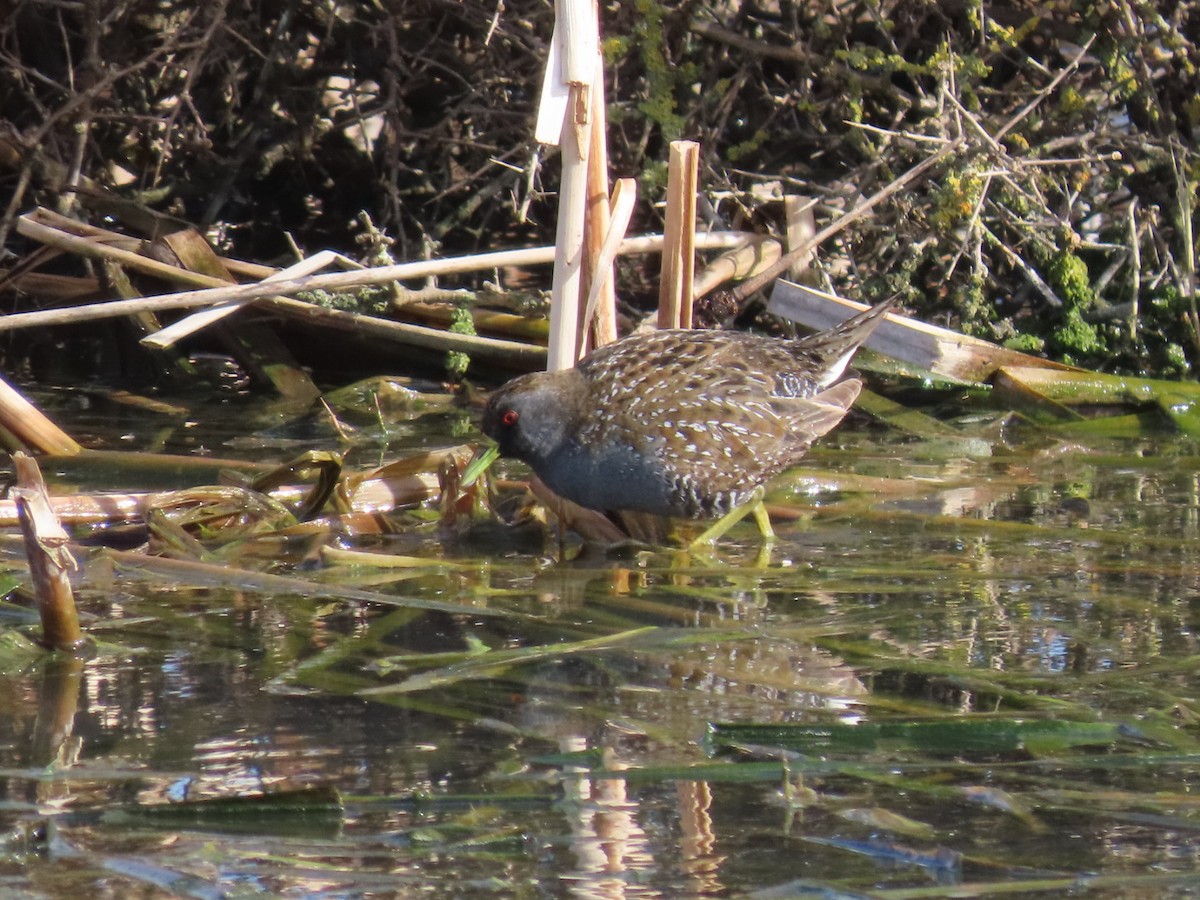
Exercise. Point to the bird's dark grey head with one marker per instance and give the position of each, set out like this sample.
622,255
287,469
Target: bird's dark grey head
534,416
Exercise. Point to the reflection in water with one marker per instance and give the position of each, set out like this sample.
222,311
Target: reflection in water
608,845
58,700
970,590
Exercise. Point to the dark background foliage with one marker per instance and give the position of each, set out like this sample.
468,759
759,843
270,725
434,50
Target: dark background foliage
1063,224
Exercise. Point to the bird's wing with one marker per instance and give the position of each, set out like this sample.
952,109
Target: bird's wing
811,417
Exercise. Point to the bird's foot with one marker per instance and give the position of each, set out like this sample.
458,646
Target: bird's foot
752,506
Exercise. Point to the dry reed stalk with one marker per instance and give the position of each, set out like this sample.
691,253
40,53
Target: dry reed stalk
487,322
679,257
50,560
600,311
83,509
43,216
577,44
511,354
404,482
568,261
167,337
247,293
33,227
602,294
28,425
801,225
756,254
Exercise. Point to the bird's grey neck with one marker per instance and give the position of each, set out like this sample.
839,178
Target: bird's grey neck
557,419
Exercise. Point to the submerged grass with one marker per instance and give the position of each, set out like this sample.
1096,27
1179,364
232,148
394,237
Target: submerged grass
942,680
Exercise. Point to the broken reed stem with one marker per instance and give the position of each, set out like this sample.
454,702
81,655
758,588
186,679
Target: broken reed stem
756,254
401,483
600,313
27,424
602,292
568,263
43,216
50,561
513,354
31,226
678,257
581,41
189,325
801,225
573,61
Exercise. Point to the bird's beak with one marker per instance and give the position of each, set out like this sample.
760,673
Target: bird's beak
479,464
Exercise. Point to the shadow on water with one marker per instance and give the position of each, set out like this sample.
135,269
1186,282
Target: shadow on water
961,667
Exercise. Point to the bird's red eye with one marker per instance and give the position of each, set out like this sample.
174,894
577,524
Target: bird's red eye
510,417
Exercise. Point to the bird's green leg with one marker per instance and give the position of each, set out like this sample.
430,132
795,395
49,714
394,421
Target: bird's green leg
763,520
753,505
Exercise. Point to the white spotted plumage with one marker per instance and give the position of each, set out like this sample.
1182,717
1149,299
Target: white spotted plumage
682,423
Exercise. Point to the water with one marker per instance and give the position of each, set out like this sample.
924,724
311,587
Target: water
1038,596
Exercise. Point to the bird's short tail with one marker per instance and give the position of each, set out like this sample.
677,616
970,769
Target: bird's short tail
836,347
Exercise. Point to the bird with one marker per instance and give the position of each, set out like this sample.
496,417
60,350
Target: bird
687,424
